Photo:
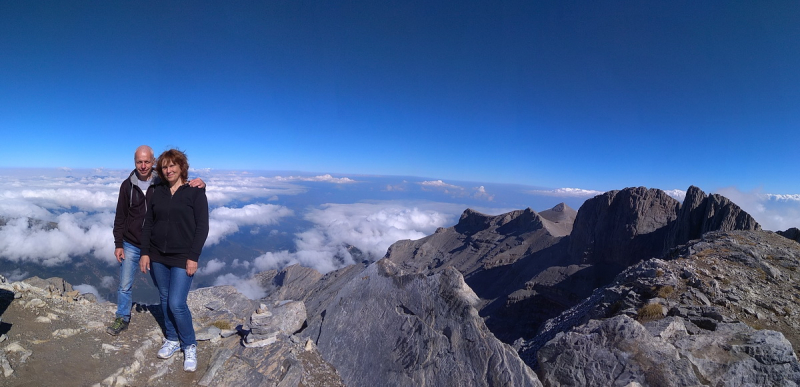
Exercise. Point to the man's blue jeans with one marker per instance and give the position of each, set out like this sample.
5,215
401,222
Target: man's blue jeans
173,288
127,273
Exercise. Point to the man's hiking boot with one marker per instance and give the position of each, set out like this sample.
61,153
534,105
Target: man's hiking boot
117,326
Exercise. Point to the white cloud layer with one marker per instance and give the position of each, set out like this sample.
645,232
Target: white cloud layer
49,216
322,178
369,227
224,221
568,192
51,244
249,287
450,189
439,184
210,266
15,275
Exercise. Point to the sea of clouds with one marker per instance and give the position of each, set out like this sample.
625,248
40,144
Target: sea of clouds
49,217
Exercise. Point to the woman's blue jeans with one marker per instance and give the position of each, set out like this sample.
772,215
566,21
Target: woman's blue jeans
173,288
127,273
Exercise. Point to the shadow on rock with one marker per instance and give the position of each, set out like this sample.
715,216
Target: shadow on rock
154,310
6,296
5,300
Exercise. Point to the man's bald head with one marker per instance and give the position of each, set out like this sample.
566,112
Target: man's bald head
144,159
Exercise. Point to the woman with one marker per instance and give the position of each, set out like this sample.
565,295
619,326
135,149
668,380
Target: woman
175,229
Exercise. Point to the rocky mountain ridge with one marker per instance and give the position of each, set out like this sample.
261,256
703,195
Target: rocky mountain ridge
512,299
720,311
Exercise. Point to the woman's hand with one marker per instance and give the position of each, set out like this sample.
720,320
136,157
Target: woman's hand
144,263
191,267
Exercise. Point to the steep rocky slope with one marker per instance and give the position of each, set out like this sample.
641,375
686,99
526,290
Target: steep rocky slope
720,311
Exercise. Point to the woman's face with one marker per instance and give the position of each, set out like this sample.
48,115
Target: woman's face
171,171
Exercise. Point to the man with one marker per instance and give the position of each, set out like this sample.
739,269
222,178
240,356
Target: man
134,196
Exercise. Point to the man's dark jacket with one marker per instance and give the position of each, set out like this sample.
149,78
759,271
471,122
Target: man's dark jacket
132,206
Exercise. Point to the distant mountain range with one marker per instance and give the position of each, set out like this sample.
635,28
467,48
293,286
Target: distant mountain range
633,289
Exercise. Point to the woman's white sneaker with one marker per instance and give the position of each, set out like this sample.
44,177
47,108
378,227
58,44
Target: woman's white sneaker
168,349
190,358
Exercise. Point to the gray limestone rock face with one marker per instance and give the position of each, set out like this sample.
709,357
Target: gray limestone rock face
561,217
700,214
619,350
286,361
387,328
55,285
290,283
480,242
732,320
792,233
622,227
613,352
690,217
724,215
737,355
220,303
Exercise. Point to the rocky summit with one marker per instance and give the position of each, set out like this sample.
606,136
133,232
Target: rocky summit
633,289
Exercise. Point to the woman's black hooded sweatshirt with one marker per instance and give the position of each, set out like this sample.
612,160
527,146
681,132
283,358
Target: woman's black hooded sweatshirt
176,224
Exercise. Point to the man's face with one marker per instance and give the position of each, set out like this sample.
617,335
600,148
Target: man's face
144,164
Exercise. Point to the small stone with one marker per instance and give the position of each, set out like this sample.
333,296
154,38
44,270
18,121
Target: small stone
64,333
225,333
4,364
260,343
35,303
14,347
208,333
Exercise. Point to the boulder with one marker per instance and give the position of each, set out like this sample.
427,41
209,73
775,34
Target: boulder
389,328
619,351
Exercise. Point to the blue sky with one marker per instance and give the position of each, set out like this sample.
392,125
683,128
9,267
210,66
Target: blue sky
594,95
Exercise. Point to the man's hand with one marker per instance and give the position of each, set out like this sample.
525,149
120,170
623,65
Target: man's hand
191,267
144,263
197,183
119,253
